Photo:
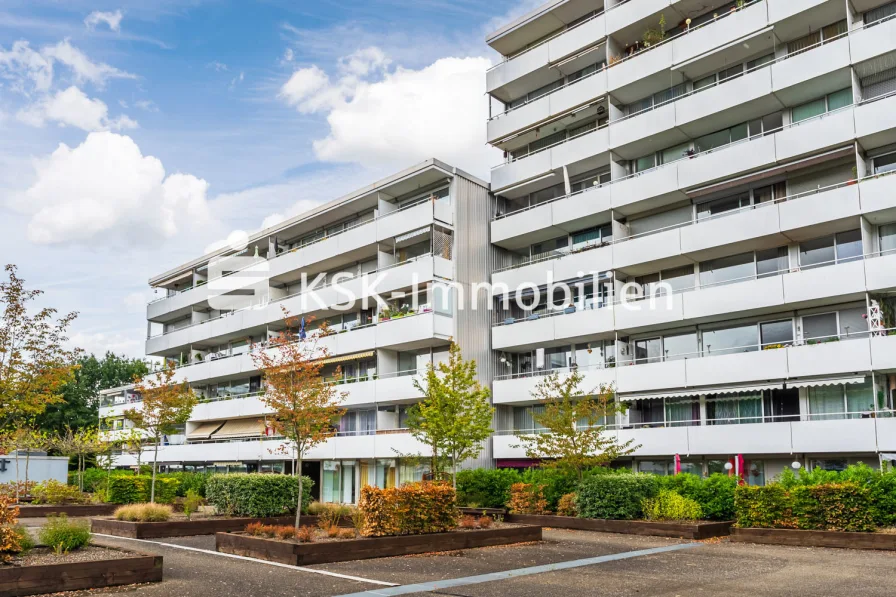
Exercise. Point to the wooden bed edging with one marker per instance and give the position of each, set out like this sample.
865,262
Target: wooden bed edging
801,538
304,554
680,530
35,511
188,528
56,578
480,511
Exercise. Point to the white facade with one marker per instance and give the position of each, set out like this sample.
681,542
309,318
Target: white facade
738,152
396,241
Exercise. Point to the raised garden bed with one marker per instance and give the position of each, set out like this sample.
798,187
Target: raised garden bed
181,527
800,538
37,574
303,554
493,512
72,510
681,530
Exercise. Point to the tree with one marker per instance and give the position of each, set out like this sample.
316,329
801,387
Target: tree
166,404
34,363
133,441
305,408
455,415
575,422
79,407
79,443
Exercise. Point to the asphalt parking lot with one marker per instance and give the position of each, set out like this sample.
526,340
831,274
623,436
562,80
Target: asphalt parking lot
625,566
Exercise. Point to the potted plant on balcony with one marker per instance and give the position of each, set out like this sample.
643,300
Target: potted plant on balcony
654,36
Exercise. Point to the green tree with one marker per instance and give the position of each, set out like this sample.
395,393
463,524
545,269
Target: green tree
80,395
455,416
575,424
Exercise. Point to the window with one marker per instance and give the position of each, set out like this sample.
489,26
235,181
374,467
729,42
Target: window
656,467
853,322
720,206
772,262
824,35
830,102
757,62
743,338
847,401
774,333
727,269
839,248
879,13
674,153
680,346
887,238
849,246
645,163
592,236
818,328
648,350
647,413
682,412
588,180
556,358
523,420
679,278
885,163
740,409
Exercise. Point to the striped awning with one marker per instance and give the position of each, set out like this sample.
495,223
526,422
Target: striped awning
241,428
204,430
700,391
349,357
831,381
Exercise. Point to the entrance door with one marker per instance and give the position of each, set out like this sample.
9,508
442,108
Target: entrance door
311,469
785,405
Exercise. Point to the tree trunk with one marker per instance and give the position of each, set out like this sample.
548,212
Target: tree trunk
27,462
299,507
17,475
152,490
454,475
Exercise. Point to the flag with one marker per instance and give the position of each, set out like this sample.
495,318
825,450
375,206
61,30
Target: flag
677,464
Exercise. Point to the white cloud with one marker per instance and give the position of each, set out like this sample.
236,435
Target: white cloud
106,192
288,56
81,66
135,302
218,66
112,19
397,117
72,107
98,343
237,80
147,105
272,220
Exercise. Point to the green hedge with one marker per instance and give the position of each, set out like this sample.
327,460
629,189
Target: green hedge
843,506
95,479
135,489
715,493
485,488
617,497
257,494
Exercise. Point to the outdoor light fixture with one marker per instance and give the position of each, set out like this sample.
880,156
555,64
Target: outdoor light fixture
795,465
728,466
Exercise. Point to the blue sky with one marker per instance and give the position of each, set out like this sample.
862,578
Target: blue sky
134,135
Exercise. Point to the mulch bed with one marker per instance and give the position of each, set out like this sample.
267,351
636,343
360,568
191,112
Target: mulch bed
41,571
680,530
800,538
362,548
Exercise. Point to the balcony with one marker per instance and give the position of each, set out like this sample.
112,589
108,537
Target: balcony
872,41
735,26
811,136
741,367
876,120
880,273
651,377
727,161
510,389
877,199
810,64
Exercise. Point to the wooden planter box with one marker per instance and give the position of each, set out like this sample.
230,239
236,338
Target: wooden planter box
34,511
304,554
55,578
186,528
493,512
681,530
801,538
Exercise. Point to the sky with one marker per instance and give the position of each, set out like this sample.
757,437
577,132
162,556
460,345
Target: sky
134,136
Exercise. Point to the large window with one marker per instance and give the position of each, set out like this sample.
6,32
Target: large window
742,338
823,35
734,409
887,239
682,412
846,401
775,334
845,323
827,250
830,102
885,163
727,269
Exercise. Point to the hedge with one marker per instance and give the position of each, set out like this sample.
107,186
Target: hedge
412,509
257,494
618,497
715,493
829,507
134,489
485,488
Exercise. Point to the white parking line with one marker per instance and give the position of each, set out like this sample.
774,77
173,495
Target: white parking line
236,557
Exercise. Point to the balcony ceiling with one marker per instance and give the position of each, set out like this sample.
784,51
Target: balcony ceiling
545,19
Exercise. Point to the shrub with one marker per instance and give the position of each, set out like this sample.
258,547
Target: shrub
715,494
833,507
8,490
668,505
468,522
256,494
285,532
305,534
346,533
192,501
485,488
329,515
54,492
26,543
63,535
144,513
134,489
762,507
413,508
526,498
618,497
567,505
189,481
485,522
10,538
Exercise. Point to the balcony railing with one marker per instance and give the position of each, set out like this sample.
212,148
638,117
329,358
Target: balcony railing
281,252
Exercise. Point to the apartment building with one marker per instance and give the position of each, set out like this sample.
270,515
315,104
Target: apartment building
407,238
732,158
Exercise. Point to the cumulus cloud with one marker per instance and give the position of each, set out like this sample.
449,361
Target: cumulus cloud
384,116
72,107
106,191
111,19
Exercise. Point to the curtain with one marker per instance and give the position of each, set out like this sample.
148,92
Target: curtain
682,413
859,399
808,110
330,490
801,44
826,402
348,483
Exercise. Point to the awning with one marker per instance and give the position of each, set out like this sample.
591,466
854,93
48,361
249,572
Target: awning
204,430
832,381
412,234
241,428
349,357
701,391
